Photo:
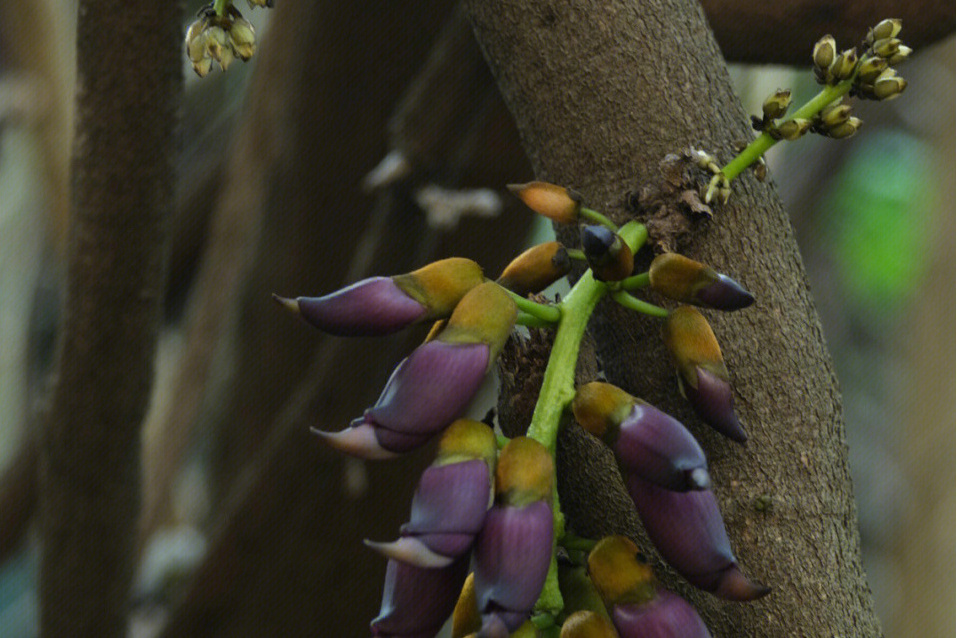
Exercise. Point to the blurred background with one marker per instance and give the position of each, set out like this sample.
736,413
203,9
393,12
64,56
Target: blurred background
282,191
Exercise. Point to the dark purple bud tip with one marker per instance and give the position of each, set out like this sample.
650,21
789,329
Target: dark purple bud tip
734,585
724,294
713,401
660,449
666,616
598,242
370,307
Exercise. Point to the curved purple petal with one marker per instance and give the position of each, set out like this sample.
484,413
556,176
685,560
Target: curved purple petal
658,448
430,388
417,601
396,441
724,294
361,441
666,616
374,306
713,401
512,554
451,498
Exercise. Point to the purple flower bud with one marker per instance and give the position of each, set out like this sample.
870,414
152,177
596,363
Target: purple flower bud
660,449
416,602
724,293
425,393
448,510
609,257
713,401
512,554
689,532
665,616
374,306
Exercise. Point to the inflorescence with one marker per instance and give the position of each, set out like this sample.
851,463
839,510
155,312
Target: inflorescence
485,523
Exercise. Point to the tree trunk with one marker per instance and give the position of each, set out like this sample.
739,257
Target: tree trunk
601,92
128,89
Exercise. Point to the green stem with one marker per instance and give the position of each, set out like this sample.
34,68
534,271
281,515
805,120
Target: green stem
219,6
595,217
633,303
763,142
530,321
575,253
546,314
635,282
558,388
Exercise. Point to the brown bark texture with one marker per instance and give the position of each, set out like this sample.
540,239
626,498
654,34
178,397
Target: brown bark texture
601,92
127,98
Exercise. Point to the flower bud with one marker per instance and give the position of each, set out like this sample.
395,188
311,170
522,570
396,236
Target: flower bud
434,385
886,47
514,548
688,531
417,601
843,65
792,129
702,376
846,129
888,28
824,52
609,257
557,203
835,115
870,68
776,105
242,38
587,624
646,441
449,505
618,575
685,280
536,269
665,616
383,305
903,52
889,86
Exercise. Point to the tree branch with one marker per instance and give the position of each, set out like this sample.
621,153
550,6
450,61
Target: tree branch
601,92
785,32
122,189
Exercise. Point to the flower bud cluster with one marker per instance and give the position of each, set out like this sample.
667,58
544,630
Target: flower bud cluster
871,71
221,39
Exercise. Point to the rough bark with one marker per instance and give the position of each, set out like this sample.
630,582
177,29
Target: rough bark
601,92
122,193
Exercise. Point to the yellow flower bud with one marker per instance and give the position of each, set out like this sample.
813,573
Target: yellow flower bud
467,439
776,105
598,406
524,473
486,314
536,268
824,52
587,624
440,286
846,129
618,576
888,28
558,203
692,344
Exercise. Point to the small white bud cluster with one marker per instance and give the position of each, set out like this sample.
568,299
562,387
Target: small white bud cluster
222,39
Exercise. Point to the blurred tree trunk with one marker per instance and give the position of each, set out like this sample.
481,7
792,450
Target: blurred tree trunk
127,100
601,92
